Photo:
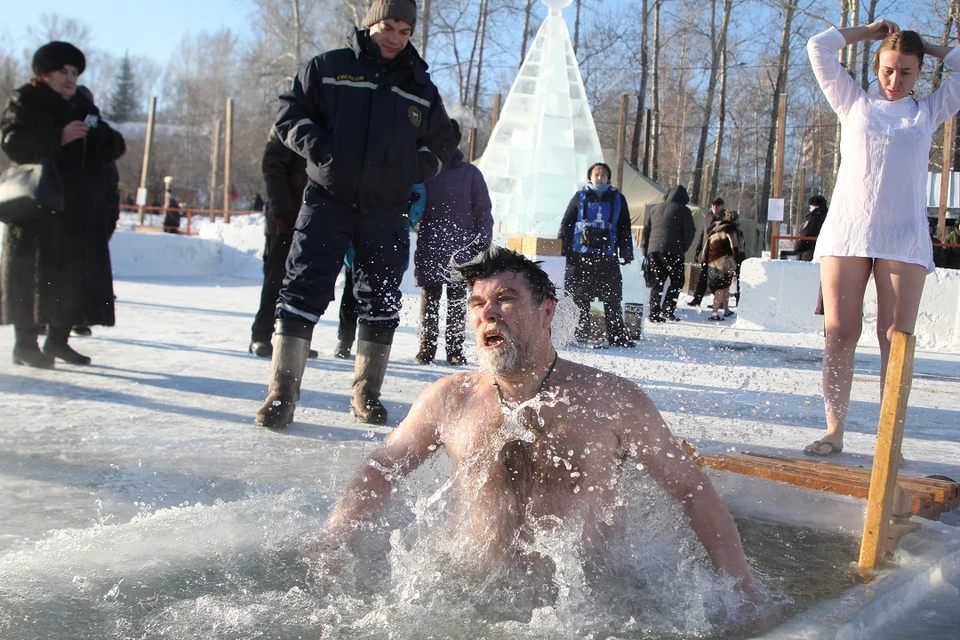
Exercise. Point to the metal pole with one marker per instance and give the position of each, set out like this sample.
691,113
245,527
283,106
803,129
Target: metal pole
227,151
145,168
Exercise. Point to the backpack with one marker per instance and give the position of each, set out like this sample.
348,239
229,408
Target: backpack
595,231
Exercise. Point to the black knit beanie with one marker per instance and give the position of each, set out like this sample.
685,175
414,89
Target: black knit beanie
53,56
605,166
404,10
818,201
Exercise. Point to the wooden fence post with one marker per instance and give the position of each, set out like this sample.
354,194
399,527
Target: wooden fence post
886,459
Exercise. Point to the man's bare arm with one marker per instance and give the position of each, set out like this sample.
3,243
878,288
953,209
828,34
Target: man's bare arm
403,451
649,440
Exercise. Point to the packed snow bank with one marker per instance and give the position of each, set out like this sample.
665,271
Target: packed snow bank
780,295
142,255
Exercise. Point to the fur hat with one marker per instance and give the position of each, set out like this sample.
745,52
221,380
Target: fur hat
818,201
403,10
55,55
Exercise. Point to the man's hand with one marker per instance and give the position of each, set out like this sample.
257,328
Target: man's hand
625,261
73,131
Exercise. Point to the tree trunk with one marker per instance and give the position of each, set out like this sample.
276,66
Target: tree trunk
297,33
576,27
642,92
484,12
844,9
866,66
655,162
721,122
425,29
854,22
781,81
718,44
527,11
465,89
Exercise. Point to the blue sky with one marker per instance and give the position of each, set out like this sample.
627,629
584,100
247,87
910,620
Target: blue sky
147,28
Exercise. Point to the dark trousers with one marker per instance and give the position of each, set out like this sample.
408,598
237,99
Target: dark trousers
596,276
347,329
430,318
324,231
661,266
701,285
274,269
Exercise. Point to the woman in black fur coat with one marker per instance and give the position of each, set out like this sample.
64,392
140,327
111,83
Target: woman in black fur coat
55,273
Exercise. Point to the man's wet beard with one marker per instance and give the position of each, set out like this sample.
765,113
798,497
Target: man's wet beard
506,359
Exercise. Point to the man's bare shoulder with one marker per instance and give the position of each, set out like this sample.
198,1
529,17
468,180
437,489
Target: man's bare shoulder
451,390
583,378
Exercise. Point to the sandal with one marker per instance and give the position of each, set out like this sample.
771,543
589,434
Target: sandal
715,317
813,449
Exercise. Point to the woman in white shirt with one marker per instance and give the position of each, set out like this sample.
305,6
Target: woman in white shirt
878,220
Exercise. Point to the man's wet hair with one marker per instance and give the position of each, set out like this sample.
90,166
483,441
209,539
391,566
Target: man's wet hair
497,260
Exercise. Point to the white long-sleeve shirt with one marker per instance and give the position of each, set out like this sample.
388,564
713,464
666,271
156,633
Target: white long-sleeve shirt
878,209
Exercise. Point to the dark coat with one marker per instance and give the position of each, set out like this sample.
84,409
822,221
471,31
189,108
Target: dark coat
703,239
58,271
812,223
285,174
669,226
457,223
369,128
624,241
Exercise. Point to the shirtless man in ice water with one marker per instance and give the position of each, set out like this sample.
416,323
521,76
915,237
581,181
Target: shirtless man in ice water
530,435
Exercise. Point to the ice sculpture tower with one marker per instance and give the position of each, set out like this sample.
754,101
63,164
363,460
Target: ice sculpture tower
545,139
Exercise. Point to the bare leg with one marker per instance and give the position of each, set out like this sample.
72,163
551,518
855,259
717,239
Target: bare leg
844,281
899,287
719,300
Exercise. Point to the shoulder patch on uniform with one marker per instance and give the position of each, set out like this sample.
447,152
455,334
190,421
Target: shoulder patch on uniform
415,115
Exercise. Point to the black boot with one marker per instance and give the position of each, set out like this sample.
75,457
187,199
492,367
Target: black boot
429,323
289,361
342,350
25,349
369,371
57,347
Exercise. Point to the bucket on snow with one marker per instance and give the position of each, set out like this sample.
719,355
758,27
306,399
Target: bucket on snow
633,319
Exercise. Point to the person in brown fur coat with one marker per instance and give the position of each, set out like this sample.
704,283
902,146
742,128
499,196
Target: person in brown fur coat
725,252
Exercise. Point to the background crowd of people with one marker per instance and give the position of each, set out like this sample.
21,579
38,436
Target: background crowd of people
332,201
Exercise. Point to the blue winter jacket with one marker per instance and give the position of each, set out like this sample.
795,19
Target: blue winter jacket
369,128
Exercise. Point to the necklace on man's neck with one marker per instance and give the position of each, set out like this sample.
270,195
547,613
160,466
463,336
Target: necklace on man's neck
531,434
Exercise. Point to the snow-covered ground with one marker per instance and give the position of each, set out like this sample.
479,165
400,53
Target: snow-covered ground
159,429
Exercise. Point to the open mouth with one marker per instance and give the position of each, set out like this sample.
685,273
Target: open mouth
492,338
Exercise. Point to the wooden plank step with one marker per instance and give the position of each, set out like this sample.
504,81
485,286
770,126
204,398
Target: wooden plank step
941,490
929,497
946,488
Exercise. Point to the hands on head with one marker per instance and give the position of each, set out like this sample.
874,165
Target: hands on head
880,29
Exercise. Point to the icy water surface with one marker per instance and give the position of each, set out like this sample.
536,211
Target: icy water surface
237,570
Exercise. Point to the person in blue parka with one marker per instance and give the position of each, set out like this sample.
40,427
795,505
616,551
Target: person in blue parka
370,123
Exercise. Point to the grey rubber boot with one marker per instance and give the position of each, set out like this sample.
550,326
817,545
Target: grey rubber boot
288,363
369,372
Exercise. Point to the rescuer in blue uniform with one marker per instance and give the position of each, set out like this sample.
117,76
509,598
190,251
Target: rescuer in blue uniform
370,123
